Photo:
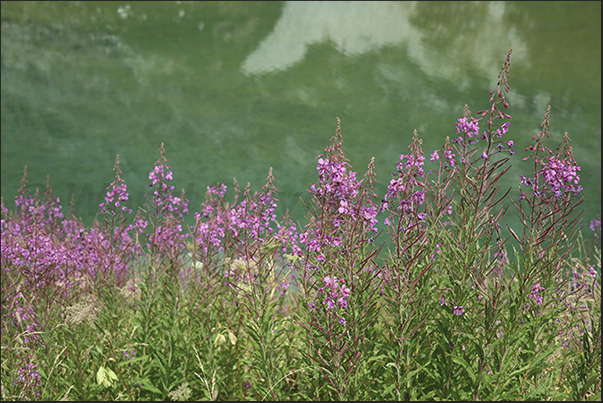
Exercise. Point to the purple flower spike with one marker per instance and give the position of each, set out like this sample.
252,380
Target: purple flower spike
336,293
536,288
468,127
595,226
117,194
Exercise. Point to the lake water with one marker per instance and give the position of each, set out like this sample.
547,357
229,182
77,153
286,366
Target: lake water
234,88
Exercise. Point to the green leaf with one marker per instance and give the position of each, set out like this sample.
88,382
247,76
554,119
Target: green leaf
592,380
159,363
465,365
111,374
219,340
444,331
105,377
427,370
100,375
147,385
389,390
534,362
232,337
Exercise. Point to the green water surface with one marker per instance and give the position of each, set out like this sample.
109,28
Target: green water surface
234,88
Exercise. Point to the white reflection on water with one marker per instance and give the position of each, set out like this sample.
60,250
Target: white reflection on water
360,26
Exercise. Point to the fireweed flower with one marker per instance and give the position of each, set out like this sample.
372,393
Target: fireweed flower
497,97
250,219
536,288
336,294
576,284
129,355
556,174
287,235
52,208
211,202
595,226
406,186
50,254
561,175
163,198
337,184
467,125
167,236
340,200
434,255
504,128
458,310
117,193
369,215
447,162
114,232
28,377
24,201
510,145
449,155
593,273
211,223
34,212
255,216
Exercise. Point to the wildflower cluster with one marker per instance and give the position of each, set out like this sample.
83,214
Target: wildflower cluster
117,193
241,223
341,201
535,294
557,174
467,126
163,198
160,223
447,154
561,176
255,214
406,189
458,310
129,355
336,295
338,184
210,227
595,227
